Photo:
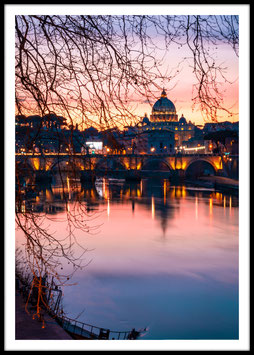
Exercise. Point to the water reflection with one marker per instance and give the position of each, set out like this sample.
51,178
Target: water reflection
156,195
165,256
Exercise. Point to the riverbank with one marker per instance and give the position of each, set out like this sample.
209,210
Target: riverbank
222,182
216,182
28,328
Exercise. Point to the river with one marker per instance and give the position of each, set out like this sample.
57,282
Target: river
158,255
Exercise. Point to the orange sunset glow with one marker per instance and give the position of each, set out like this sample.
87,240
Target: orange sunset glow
101,93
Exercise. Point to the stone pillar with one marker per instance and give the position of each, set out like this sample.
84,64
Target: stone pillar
87,177
132,175
179,173
42,176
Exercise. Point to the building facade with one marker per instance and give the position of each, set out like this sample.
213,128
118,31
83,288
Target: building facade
165,119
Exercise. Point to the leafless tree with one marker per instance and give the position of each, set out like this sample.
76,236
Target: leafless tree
88,68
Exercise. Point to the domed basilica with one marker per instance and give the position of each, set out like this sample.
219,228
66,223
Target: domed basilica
164,117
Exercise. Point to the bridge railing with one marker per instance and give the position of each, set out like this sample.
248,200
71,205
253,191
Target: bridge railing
52,298
90,331
55,154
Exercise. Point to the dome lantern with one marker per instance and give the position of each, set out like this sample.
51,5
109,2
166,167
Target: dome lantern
183,120
145,120
163,94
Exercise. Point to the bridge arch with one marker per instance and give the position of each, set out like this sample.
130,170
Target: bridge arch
24,166
110,164
59,164
200,167
24,172
66,164
155,163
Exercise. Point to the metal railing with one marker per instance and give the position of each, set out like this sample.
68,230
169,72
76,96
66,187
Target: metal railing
72,326
90,331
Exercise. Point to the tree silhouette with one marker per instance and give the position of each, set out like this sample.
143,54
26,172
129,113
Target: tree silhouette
89,67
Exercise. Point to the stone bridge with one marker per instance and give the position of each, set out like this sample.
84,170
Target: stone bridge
139,164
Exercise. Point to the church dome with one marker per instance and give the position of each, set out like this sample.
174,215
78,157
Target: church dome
145,120
164,104
183,120
163,110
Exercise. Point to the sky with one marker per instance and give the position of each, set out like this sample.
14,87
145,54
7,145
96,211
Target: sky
178,64
180,90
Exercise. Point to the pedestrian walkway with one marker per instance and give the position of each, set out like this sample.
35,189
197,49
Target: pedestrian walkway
28,328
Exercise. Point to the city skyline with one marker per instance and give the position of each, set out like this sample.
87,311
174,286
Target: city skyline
114,68
145,109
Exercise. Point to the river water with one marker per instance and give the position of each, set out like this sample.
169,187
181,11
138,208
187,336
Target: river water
158,255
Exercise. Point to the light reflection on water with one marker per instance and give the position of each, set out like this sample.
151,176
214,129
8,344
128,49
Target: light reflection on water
163,256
